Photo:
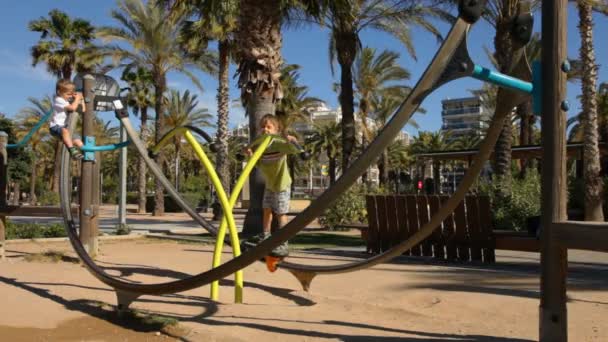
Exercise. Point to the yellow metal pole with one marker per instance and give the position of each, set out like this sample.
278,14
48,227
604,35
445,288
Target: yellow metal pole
219,242
221,194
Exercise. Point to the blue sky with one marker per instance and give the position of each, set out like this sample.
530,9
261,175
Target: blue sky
307,47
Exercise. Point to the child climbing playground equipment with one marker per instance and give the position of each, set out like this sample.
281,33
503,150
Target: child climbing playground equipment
451,62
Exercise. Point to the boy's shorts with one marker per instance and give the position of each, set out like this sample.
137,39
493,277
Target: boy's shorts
277,201
56,131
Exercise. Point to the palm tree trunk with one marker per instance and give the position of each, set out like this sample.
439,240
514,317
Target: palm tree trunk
33,180
160,85
141,174
332,169
259,43
346,46
383,167
221,159
436,177
502,151
57,169
177,164
591,155
348,115
523,112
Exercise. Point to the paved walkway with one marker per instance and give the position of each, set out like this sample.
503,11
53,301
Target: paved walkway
144,223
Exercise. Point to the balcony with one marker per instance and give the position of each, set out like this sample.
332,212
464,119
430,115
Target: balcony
462,111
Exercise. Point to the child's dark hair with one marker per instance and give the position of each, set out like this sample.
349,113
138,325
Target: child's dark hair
271,118
63,85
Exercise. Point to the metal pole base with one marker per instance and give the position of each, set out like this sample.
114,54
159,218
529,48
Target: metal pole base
552,325
124,301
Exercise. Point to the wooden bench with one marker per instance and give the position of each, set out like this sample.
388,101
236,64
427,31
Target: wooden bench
465,235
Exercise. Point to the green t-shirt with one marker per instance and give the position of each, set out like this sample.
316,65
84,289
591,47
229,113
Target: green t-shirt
273,164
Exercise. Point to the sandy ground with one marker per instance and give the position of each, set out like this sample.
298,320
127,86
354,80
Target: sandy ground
406,300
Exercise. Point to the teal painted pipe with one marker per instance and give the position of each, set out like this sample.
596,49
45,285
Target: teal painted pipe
111,147
502,80
34,129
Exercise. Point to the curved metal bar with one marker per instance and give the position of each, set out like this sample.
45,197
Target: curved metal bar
178,131
228,217
32,131
423,88
219,241
101,148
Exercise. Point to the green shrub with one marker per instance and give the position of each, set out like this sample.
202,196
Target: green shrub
33,230
192,199
511,213
132,197
349,208
122,229
49,198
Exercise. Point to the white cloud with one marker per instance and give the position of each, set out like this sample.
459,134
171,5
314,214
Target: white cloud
18,65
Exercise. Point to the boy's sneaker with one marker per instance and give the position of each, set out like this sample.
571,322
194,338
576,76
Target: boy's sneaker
254,241
281,250
75,154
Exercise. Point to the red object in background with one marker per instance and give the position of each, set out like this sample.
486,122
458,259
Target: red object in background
419,185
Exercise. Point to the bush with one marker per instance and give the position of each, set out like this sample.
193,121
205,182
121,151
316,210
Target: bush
132,197
349,208
511,213
33,231
192,199
122,229
49,198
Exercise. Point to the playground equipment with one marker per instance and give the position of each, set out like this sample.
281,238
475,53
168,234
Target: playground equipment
451,62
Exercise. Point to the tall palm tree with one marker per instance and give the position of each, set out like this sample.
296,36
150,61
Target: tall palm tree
28,118
183,110
62,45
140,98
347,19
150,39
374,75
326,138
499,13
433,142
294,107
295,104
385,107
589,120
259,41
216,20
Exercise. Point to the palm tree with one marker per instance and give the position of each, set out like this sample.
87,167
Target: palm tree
294,107
217,20
28,118
374,75
258,41
295,104
347,19
326,138
150,39
183,110
589,120
432,142
62,45
140,98
499,13
384,109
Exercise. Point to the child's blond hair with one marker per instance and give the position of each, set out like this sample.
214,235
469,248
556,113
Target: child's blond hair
271,118
63,86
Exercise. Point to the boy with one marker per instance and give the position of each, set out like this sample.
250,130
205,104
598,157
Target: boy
273,166
65,93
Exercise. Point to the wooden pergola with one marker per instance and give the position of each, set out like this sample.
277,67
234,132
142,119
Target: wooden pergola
574,150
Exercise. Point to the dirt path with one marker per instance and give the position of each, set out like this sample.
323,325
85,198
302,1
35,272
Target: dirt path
407,300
